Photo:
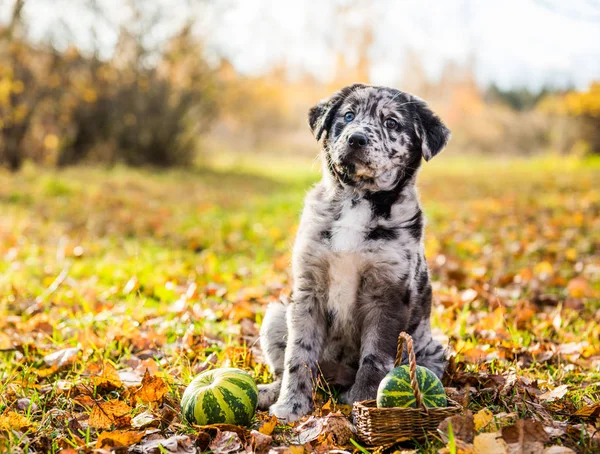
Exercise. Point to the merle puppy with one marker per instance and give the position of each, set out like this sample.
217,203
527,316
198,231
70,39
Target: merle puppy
360,275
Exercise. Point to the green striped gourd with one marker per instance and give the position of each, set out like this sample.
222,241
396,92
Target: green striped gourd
225,395
395,390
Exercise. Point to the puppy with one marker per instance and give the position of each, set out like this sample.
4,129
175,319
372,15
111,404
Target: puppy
359,270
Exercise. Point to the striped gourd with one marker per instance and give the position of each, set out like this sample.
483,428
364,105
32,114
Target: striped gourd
220,396
395,390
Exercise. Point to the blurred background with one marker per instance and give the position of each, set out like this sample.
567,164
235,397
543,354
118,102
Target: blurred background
174,83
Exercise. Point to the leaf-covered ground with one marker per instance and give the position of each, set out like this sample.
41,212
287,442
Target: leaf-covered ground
118,286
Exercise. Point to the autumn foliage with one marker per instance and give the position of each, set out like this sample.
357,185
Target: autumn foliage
119,287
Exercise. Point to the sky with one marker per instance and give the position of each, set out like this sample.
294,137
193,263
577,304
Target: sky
513,43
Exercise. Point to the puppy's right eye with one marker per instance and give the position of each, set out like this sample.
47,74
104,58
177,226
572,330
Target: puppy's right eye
349,117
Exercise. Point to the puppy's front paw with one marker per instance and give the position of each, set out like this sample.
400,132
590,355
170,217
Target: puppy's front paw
268,394
357,394
288,411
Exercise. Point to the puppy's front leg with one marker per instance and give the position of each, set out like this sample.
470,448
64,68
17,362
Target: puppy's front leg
306,332
377,353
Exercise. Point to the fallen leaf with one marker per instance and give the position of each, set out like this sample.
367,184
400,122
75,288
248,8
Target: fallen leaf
460,447
338,430
309,430
225,442
260,441
589,411
490,443
107,414
482,419
177,444
118,438
62,357
578,287
463,427
14,421
526,436
107,378
25,404
558,450
557,393
142,420
268,427
214,429
153,388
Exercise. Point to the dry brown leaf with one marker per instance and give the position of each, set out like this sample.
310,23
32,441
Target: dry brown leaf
155,444
107,414
108,377
14,421
338,430
309,430
260,441
62,357
84,400
526,435
463,427
153,388
557,393
589,411
225,442
118,438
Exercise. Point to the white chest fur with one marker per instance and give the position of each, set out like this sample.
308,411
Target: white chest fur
345,258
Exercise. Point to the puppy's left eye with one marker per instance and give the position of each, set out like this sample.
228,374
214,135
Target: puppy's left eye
390,123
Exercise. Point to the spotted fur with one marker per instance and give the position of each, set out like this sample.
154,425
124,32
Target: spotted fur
360,275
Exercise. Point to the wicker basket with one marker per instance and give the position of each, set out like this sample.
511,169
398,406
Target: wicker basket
387,426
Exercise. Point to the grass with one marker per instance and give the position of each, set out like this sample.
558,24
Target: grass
171,271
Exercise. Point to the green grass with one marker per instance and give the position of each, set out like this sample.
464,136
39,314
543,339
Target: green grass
166,269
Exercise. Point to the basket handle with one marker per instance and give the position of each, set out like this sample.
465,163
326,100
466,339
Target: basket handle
404,338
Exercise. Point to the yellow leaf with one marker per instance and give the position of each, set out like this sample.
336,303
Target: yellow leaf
108,378
543,269
482,419
14,421
108,414
268,427
118,439
153,388
571,254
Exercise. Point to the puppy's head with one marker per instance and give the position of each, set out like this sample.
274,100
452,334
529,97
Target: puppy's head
374,137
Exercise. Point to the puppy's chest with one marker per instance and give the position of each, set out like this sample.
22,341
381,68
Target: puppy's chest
347,256
348,230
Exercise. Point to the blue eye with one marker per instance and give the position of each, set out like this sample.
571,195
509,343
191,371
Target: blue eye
390,123
349,117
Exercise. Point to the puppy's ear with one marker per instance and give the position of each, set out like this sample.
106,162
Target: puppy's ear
320,116
433,133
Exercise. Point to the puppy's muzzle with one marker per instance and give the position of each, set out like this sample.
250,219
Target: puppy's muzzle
355,153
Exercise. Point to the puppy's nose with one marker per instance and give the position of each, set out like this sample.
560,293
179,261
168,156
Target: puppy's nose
357,140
